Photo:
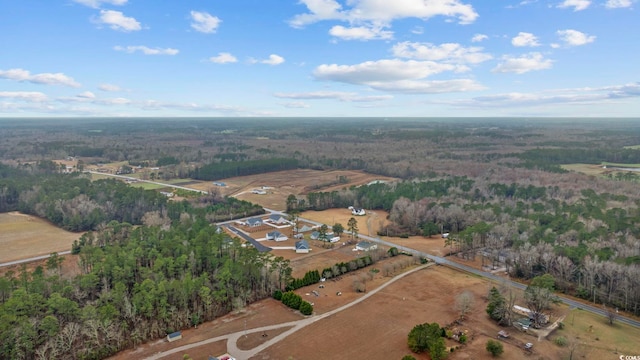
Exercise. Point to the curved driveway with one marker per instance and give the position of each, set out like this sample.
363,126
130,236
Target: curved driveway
232,339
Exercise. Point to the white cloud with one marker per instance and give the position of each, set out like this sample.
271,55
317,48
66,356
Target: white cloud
223,58
117,21
86,95
418,30
360,33
272,60
97,3
479,37
204,22
296,105
449,52
381,70
109,87
575,38
396,75
523,64
382,12
30,96
577,5
525,39
428,87
335,95
563,96
617,4
113,101
146,50
43,78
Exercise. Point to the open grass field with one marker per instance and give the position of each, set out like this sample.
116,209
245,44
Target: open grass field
24,236
588,169
591,337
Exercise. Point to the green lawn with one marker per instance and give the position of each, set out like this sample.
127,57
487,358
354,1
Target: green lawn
593,338
621,165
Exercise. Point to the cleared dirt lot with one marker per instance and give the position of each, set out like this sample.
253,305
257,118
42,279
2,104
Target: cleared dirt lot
279,185
24,236
367,225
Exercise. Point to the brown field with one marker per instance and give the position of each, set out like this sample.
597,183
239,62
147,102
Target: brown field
24,236
367,225
281,184
261,313
377,328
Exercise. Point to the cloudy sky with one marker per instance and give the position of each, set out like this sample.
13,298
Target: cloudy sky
319,58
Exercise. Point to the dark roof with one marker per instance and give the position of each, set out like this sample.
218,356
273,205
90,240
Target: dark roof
254,242
302,244
254,221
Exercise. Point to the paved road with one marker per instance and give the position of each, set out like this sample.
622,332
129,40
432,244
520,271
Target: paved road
256,244
439,260
232,339
31,259
443,261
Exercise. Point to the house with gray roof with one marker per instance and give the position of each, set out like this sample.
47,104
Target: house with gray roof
302,247
276,236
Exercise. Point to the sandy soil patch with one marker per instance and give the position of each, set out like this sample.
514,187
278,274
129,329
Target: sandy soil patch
23,236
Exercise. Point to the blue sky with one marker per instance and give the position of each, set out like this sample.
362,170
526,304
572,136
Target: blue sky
319,58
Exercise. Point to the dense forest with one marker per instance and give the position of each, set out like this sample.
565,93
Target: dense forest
503,188
137,284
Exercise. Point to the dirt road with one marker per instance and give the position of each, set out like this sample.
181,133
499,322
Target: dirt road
232,339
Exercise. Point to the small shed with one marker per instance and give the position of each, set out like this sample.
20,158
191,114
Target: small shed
174,336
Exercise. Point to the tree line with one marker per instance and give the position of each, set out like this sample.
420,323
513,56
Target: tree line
586,239
137,284
227,169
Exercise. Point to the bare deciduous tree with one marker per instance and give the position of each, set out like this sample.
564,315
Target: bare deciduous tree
464,303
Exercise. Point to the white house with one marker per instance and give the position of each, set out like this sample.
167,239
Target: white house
328,237
258,192
277,219
253,222
302,247
276,236
366,246
357,211
305,228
